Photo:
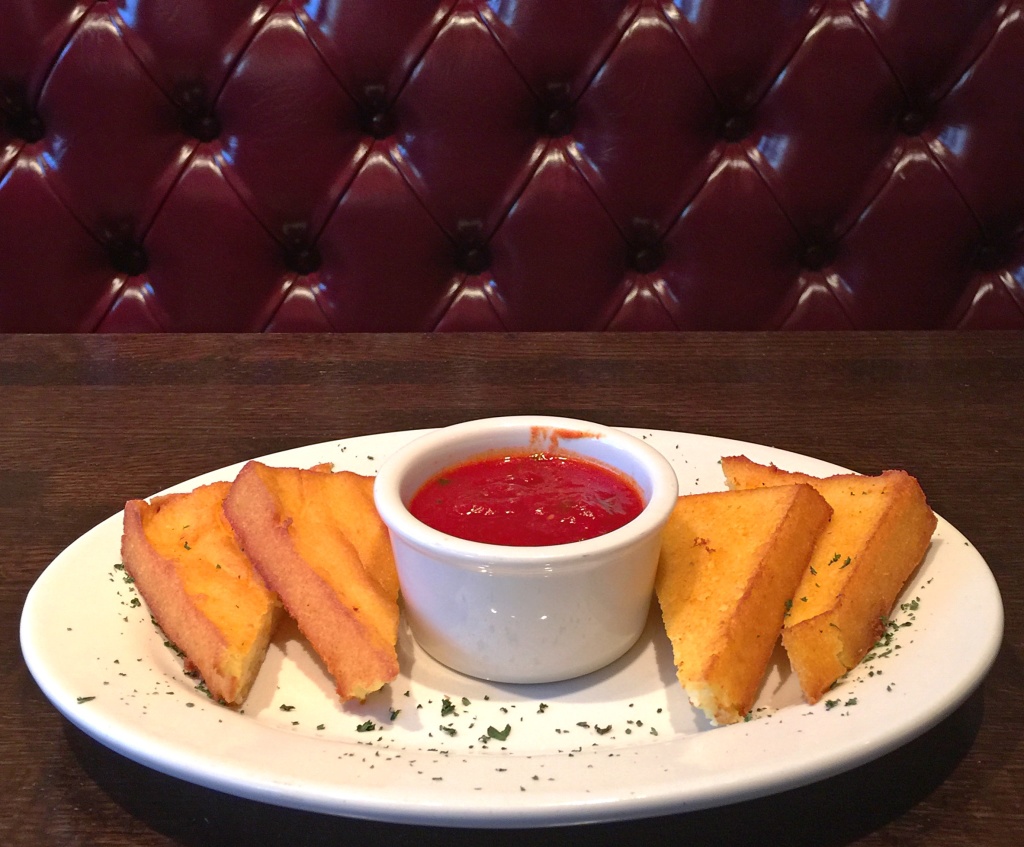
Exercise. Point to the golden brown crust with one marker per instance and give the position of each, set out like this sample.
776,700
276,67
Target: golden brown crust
199,587
730,562
880,531
318,542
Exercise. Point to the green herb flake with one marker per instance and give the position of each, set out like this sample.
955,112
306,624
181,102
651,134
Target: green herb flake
81,700
366,726
447,707
499,734
286,708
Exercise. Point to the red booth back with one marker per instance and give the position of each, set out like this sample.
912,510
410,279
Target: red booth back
408,165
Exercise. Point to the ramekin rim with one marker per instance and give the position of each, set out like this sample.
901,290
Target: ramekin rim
398,519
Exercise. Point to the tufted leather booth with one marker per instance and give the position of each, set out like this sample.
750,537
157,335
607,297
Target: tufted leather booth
407,165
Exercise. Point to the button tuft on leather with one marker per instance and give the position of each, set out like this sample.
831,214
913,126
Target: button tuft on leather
991,256
375,115
19,117
472,255
647,259
735,127
203,127
817,255
646,250
197,117
472,258
302,259
912,122
301,254
557,115
127,256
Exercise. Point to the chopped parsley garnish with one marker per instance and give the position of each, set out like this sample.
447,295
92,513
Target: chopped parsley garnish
86,699
499,734
366,726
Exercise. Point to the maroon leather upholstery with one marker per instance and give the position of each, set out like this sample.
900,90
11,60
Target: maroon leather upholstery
354,165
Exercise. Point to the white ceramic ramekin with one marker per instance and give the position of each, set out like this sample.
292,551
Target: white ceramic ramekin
526,614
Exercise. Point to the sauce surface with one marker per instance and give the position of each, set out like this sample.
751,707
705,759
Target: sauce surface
527,500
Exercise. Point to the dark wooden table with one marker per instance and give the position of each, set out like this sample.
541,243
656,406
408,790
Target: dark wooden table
87,422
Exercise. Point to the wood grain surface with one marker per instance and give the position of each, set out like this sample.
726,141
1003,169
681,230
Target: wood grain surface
87,422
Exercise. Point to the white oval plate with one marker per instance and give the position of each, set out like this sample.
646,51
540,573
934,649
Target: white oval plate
620,743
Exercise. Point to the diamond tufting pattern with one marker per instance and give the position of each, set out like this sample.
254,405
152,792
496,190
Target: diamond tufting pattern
350,165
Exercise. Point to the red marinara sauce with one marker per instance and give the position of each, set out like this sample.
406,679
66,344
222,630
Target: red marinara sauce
527,500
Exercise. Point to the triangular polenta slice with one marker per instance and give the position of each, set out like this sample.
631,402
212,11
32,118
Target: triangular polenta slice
729,564
880,530
200,587
317,540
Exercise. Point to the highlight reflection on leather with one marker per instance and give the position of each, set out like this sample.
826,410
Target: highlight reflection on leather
346,165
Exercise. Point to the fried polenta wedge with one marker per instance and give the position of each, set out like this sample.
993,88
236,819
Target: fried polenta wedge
880,530
316,539
729,564
200,587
